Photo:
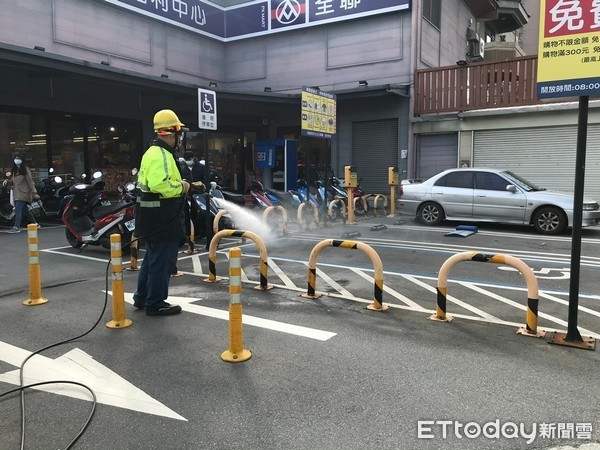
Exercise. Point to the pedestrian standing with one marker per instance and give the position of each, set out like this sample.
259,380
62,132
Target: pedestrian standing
24,193
191,171
159,215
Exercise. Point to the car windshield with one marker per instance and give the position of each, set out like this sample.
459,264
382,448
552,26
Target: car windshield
522,182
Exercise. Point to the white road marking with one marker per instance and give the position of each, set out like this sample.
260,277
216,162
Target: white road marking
566,302
286,280
334,284
520,306
413,305
452,299
76,365
197,265
282,327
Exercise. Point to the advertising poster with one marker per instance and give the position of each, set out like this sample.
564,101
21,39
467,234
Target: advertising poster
569,48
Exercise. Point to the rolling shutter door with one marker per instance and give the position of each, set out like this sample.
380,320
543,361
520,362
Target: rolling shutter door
437,152
543,155
374,149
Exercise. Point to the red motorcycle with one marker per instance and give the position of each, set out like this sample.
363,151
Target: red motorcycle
90,221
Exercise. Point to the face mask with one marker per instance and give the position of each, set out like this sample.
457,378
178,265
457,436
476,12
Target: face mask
18,162
190,163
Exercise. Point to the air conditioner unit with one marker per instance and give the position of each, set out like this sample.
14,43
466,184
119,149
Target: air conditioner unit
476,50
481,48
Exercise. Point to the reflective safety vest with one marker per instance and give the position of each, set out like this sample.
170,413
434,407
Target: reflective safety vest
159,209
159,173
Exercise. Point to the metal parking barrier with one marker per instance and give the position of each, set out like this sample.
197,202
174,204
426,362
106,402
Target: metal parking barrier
375,259
35,283
133,253
217,218
236,351
279,208
191,239
385,203
262,250
120,319
315,211
531,318
332,204
363,200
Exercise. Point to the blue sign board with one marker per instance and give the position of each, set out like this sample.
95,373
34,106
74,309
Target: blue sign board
257,18
265,156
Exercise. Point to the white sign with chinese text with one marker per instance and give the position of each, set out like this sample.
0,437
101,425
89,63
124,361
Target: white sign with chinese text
207,109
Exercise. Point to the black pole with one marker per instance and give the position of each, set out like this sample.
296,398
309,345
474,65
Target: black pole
207,181
582,125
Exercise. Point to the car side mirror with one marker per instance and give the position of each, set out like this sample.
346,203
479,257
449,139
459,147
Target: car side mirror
511,188
51,170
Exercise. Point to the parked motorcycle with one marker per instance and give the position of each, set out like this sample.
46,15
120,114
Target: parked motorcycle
90,221
54,196
7,212
197,203
128,192
258,196
341,191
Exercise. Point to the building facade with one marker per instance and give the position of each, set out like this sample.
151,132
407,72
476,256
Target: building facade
81,79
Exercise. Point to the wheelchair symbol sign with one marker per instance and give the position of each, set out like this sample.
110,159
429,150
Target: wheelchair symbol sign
207,109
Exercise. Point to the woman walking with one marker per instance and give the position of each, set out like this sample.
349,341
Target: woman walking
24,193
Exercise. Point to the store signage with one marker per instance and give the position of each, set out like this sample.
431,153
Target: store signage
569,49
265,157
258,17
318,113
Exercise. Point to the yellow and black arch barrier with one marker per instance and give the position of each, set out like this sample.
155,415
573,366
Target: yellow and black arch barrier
363,200
315,211
530,328
216,220
375,259
332,204
385,203
262,250
281,209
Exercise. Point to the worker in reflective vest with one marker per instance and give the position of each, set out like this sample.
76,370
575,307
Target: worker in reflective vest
159,215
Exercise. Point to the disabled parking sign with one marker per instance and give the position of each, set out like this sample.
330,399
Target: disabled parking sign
207,109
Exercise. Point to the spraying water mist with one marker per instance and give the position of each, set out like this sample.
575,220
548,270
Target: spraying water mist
247,220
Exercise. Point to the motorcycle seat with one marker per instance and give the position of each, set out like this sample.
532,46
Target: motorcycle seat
101,211
234,198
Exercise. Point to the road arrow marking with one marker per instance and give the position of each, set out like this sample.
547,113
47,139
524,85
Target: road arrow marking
76,365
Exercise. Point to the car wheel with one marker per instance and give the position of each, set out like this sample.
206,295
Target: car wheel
430,213
549,220
72,240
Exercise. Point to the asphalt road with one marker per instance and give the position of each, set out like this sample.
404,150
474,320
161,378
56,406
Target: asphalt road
324,373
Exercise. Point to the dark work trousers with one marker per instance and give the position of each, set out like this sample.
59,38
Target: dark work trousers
155,273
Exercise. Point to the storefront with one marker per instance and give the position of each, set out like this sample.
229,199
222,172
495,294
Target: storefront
70,144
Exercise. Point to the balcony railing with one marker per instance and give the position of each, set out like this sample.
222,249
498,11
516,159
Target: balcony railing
482,85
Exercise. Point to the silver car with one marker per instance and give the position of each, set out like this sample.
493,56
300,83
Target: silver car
492,195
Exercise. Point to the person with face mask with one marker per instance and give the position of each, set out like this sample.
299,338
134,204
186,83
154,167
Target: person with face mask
24,193
191,171
159,215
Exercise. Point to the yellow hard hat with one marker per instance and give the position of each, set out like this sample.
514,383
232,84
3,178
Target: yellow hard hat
166,119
